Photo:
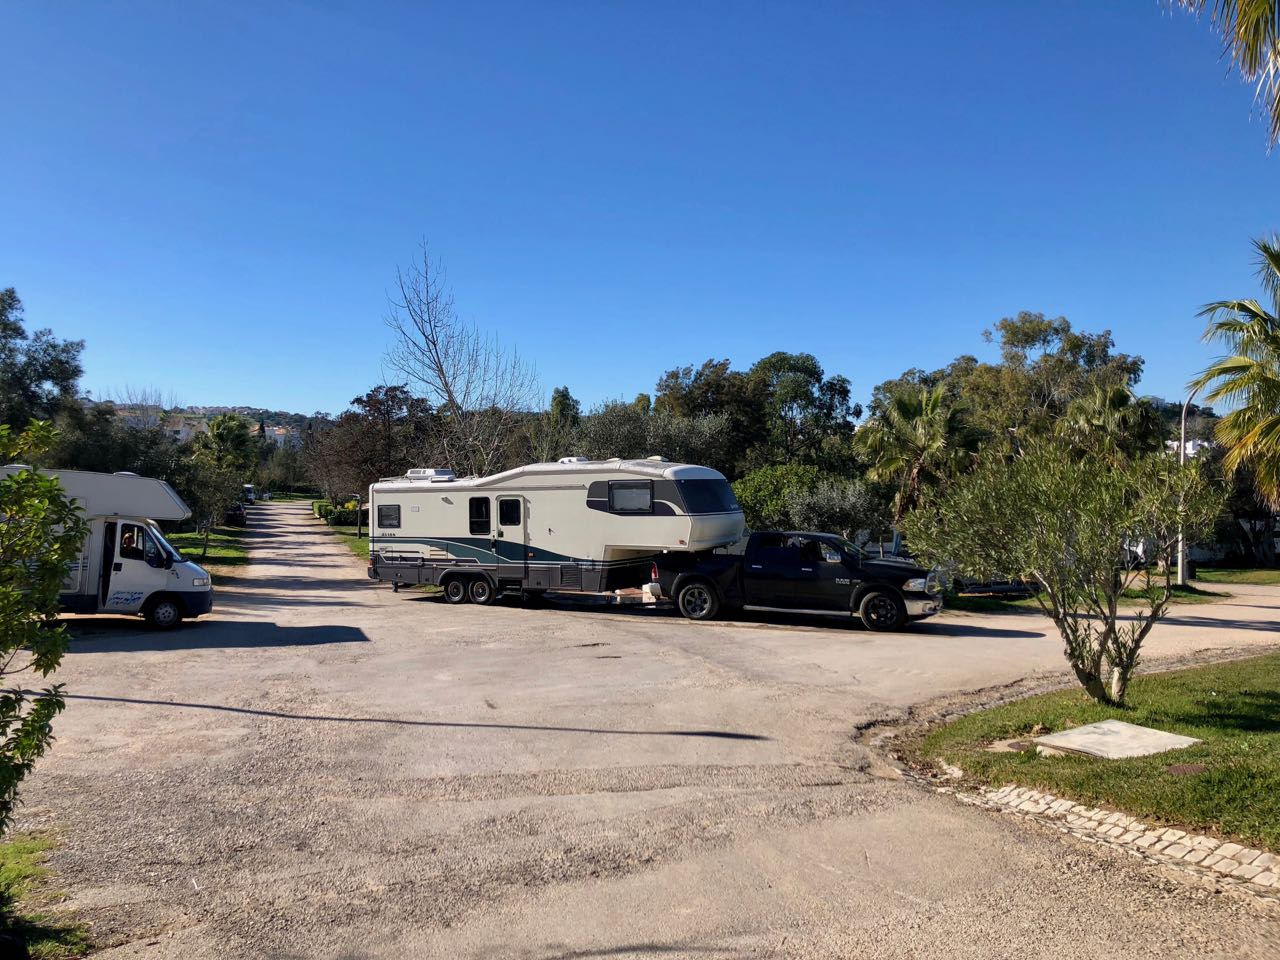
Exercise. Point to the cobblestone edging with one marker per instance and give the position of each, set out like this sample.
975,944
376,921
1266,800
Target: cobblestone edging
1253,870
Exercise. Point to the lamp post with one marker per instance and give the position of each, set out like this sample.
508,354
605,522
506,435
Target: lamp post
1182,459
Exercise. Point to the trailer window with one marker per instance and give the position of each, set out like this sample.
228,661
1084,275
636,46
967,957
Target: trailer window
707,496
631,496
479,515
509,513
388,515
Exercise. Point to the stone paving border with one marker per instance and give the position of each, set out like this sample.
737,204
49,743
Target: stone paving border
1254,871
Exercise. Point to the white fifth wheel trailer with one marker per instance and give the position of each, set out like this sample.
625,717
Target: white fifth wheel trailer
125,564
577,525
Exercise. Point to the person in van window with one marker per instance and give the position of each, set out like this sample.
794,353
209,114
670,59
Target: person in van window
129,549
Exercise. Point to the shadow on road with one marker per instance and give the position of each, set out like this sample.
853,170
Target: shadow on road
401,722
122,635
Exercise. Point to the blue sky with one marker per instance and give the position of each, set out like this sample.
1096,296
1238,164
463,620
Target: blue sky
216,196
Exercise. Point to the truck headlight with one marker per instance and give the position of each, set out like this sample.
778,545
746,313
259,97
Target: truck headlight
917,585
199,581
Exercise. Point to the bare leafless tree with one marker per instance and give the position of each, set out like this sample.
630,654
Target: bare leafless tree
480,388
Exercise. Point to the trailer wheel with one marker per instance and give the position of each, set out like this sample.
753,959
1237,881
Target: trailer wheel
481,591
163,614
455,590
698,600
881,611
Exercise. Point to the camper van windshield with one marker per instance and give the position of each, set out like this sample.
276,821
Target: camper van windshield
707,496
169,548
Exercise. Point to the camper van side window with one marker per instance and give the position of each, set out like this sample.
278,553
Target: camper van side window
388,515
509,512
479,515
631,496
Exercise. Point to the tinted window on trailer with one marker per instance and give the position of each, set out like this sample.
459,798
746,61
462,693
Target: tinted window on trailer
707,496
479,515
631,496
389,515
509,513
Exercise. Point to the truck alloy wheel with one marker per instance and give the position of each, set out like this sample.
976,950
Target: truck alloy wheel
481,591
455,590
698,601
882,611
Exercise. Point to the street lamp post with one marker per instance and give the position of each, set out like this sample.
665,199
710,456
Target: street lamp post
1182,459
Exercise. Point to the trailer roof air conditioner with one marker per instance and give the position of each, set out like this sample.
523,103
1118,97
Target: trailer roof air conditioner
434,475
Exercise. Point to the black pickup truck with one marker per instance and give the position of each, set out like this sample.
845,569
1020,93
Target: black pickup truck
810,572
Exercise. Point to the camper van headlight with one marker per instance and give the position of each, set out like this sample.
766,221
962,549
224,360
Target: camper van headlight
199,581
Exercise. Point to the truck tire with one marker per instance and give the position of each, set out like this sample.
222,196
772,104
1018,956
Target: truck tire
455,590
882,611
481,591
698,600
163,614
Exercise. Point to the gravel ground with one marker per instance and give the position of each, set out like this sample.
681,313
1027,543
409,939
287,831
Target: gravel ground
327,769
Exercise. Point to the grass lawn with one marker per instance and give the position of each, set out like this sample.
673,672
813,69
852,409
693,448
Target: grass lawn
357,545
1234,708
24,899
1264,576
227,547
998,604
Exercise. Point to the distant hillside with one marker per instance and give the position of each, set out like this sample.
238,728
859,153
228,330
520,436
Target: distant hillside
272,418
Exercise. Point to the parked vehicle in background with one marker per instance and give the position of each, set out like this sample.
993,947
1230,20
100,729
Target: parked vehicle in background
801,572
126,565
578,525
249,496
235,516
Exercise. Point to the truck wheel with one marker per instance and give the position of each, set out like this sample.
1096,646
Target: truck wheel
455,590
163,614
880,610
481,591
698,600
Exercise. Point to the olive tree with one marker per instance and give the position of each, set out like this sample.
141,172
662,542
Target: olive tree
40,536
1087,531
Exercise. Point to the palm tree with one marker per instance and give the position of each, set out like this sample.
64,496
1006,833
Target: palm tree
921,437
1251,30
1109,420
1248,378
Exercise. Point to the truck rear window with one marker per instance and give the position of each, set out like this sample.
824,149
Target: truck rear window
707,496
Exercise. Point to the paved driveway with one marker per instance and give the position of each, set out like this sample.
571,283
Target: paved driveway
328,769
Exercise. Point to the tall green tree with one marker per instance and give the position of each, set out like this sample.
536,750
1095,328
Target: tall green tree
41,536
1247,378
1110,421
39,374
921,437
1251,32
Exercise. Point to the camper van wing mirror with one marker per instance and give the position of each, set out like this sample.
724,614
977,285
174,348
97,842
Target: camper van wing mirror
168,561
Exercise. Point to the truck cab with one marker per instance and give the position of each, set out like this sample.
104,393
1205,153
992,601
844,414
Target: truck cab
798,571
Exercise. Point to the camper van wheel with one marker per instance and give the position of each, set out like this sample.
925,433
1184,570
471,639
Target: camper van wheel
163,614
698,600
455,590
481,590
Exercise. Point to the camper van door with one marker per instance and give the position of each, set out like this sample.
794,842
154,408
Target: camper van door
137,569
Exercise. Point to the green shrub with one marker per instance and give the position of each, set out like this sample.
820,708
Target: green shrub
321,508
341,517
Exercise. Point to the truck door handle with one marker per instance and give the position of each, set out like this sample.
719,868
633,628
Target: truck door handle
806,569
117,567
755,566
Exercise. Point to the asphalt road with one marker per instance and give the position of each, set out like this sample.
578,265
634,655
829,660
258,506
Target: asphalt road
327,769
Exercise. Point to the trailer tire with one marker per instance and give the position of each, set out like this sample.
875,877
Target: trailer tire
163,613
481,591
455,590
882,611
697,600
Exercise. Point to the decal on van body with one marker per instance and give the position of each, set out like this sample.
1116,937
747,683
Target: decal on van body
125,598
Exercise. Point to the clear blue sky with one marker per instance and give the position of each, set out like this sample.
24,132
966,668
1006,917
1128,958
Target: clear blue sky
216,195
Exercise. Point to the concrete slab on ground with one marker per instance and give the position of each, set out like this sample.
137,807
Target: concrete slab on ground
1115,740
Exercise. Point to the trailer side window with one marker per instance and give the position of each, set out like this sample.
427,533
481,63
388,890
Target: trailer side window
509,512
631,496
388,515
480,515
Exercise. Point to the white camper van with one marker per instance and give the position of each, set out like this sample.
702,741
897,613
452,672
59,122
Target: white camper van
125,564
576,525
